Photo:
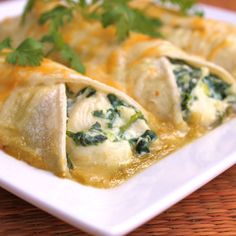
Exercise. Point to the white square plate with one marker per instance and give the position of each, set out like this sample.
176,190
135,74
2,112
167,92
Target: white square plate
120,210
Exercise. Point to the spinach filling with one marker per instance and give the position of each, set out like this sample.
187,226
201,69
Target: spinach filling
188,77
142,143
87,92
113,113
93,136
110,115
115,101
97,135
217,88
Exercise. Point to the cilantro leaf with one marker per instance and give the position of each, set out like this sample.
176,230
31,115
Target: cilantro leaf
28,53
146,25
6,43
57,17
117,13
28,7
54,38
126,19
67,53
73,58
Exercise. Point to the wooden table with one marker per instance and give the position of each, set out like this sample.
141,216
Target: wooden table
209,211
228,4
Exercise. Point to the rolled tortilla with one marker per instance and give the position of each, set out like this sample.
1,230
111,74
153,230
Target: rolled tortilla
32,126
128,67
172,85
211,39
59,120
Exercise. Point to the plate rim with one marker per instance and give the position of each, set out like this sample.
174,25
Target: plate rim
143,217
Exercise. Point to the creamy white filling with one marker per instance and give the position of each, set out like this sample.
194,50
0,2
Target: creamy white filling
81,114
116,150
208,109
201,105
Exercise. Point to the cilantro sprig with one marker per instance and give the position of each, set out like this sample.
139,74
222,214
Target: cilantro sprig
57,17
117,13
125,19
28,53
6,43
